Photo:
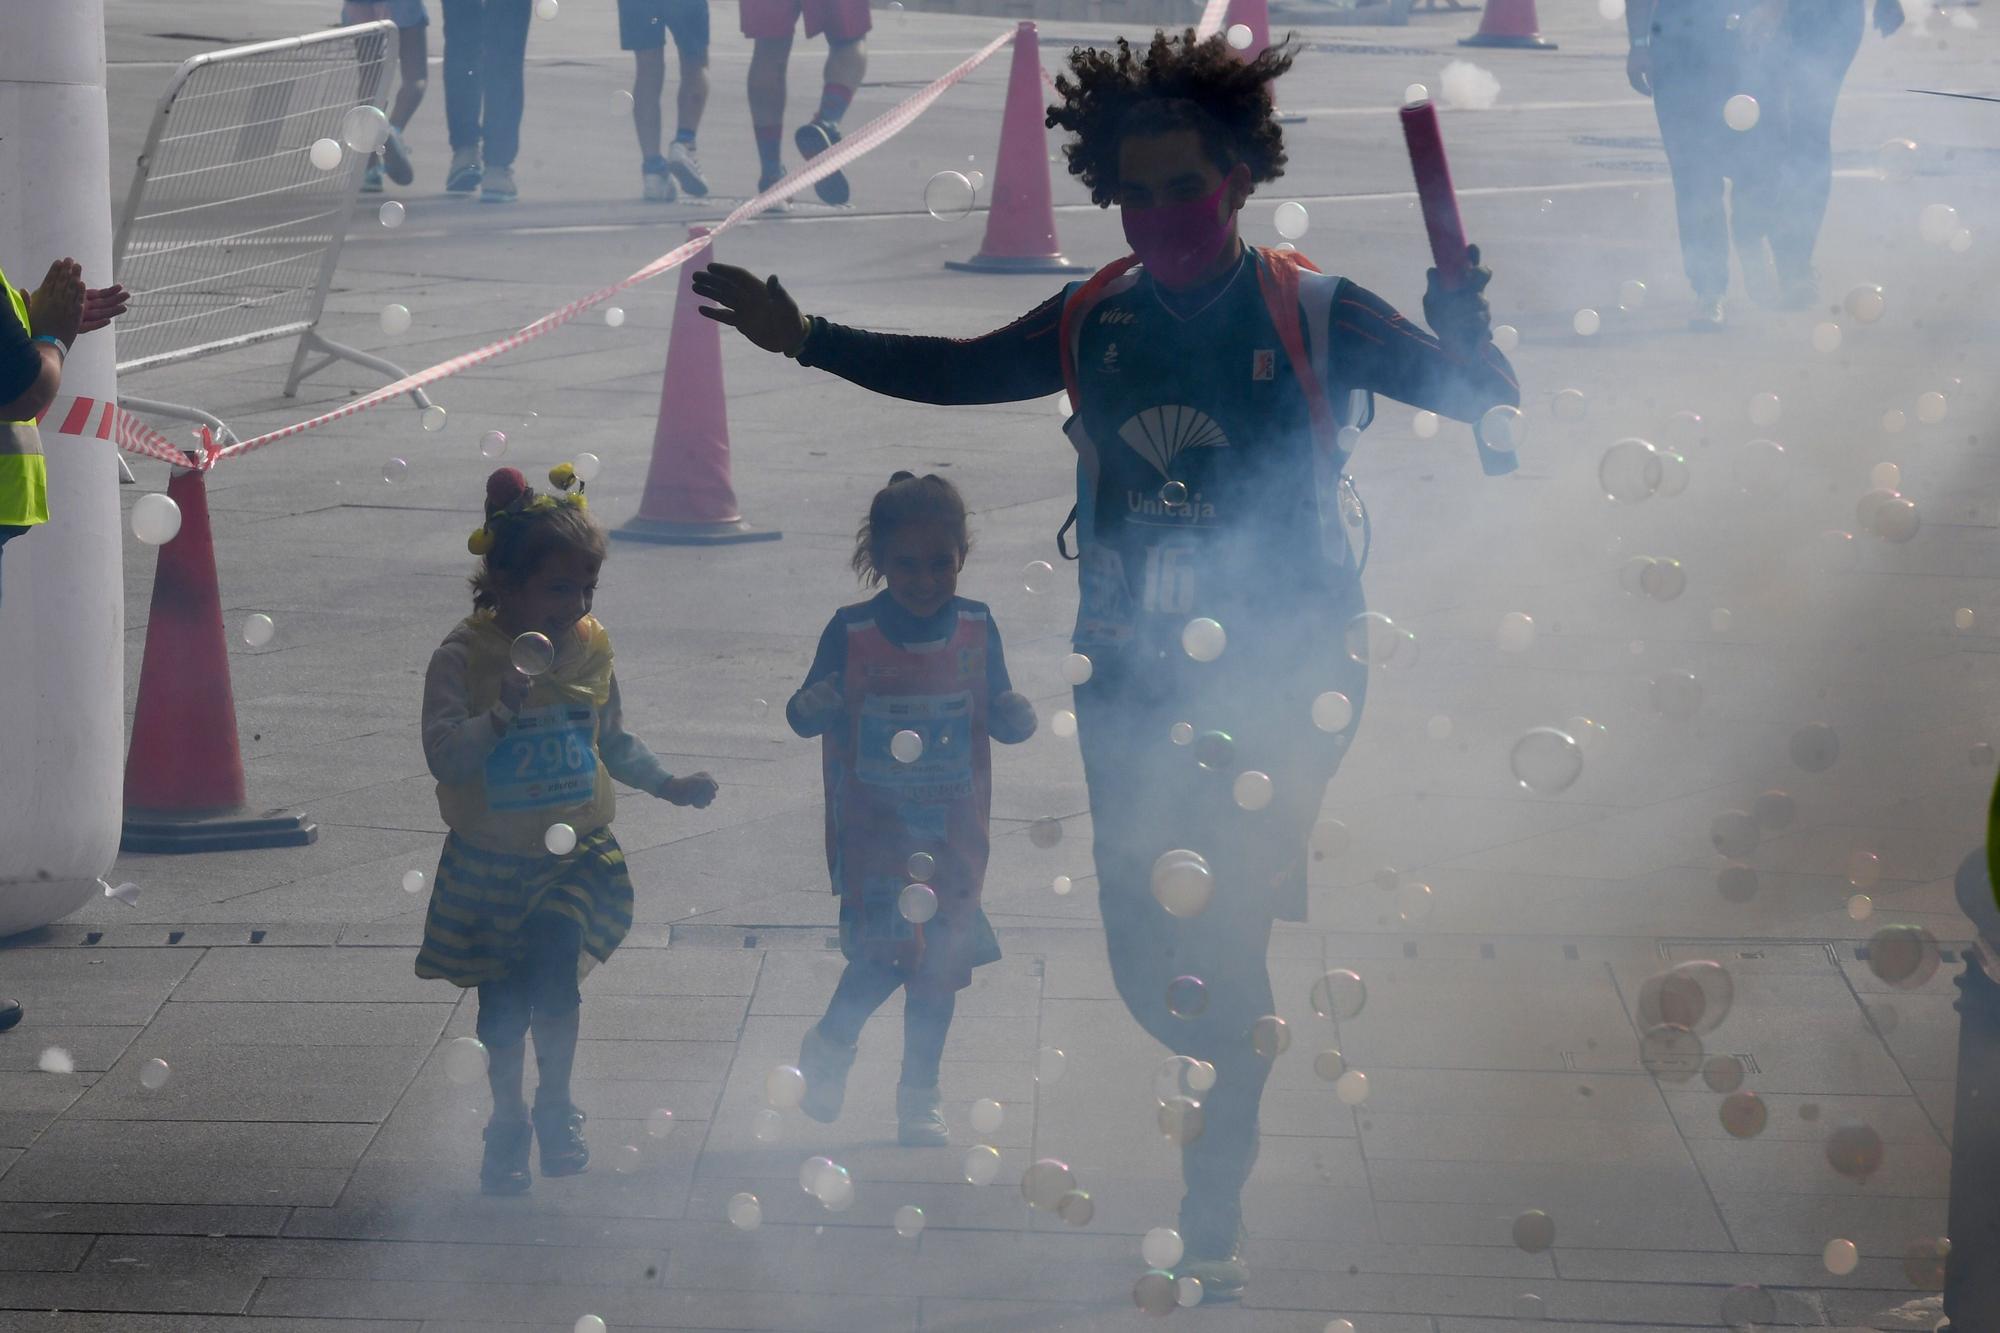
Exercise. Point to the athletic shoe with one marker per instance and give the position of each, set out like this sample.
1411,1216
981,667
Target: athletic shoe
1707,316
465,172
498,186
371,179
396,158
919,1119
10,1013
504,1170
813,138
559,1135
767,180
686,168
657,185
825,1064
1221,1279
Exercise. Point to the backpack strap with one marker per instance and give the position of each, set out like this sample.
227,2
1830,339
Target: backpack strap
1075,312
1279,274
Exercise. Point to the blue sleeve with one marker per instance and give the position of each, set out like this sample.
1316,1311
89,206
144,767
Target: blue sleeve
997,682
20,359
1022,360
829,659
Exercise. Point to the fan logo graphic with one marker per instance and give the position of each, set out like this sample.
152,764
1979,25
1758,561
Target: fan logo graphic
1264,364
1160,435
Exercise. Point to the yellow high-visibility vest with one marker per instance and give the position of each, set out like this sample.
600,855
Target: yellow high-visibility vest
24,478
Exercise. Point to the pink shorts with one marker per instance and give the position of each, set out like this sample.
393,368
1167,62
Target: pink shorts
840,20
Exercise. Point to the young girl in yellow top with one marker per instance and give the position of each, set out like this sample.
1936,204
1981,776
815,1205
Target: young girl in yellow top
524,733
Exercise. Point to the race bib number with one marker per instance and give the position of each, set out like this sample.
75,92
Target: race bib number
1170,579
941,769
547,759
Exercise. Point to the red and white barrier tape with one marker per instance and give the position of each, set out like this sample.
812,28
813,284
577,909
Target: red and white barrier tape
138,438
102,419
1211,19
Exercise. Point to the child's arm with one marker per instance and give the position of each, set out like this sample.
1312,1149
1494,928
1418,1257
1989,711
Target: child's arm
818,704
1010,716
628,759
456,744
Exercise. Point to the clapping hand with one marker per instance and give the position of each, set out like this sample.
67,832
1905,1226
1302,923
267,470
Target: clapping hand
101,305
56,307
696,789
1459,315
758,308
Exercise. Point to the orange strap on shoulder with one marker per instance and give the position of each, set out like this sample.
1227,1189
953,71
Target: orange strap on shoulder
1278,275
1081,299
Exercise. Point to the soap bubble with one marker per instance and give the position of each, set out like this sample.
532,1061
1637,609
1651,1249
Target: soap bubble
987,1115
1670,1052
909,1221
587,466
1630,471
546,9
917,903
1050,1063
621,99
1586,322
1826,338
1674,473
1864,869
364,128
1896,160
1182,1076
414,881
1631,294
395,470
1961,241
1270,1037
1903,956
1937,224
1424,424
325,154
1203,639
659,1123
433,418
1215,750
1534,1231
1676,695
1503,428
125,892
1416,92
1854,1151
1886,477
493,444
1161,1247
1761,468
1291,220
1740,112
1841,1257
1506,337
390,214
153,1074
1180,1120
155,519
1696,995
1076,669
1076,1208
745,1213
978,179
1865,303
1924,1262
1187,997
1347,1325
1182,882
1568,405
560,840
920,865
258,629
1062,884
1546,761
1045,832
1037,575
1860,907
1735,833
1239,36
766,1125
532,653
1351,1088
948,196
1373,639
1893,422
1962,618
1156,1293
1662,579
1252,790
1765,409
1722,1073
1931,408
906,747
982,1164
589,1323
1187,1291
1719,619
1062,724
614,316
783,1087
835,1189
465,1060
1341,994
1815,747
1332,711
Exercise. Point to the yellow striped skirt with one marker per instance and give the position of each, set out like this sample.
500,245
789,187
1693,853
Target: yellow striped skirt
481,900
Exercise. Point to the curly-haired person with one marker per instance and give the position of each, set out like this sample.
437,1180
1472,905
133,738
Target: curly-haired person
1213,385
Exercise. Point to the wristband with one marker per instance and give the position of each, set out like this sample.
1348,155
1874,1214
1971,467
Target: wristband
62,349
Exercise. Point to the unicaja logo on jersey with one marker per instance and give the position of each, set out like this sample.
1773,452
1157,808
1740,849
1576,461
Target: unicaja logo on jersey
1161,434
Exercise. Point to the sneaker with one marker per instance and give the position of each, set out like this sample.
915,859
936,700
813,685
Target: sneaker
396,158
371,179
767,180
1221,1279
504,1169
813,138
498,186
465,172
559,1133
10,1013
1707,316
686,169
919,1122
825,1064
656,185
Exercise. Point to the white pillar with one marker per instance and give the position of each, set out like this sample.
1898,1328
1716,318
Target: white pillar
62,613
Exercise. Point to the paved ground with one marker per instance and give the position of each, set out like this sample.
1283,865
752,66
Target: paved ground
308,1166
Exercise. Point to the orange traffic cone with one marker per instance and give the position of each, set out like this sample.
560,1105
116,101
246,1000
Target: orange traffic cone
1021,219
1509,23
1256,16
689,499
184,774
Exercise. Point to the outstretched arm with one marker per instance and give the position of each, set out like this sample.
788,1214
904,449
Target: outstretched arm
1021,360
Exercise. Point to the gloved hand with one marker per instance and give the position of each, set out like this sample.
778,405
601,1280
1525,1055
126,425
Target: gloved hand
1888,16
758,308
1460,317
696,789
1011,719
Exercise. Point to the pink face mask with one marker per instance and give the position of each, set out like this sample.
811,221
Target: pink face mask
1177,241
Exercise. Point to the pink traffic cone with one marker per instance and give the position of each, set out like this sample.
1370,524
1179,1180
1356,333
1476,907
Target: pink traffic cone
1021,219
689,499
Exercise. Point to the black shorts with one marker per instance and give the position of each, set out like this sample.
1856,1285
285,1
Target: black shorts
643,25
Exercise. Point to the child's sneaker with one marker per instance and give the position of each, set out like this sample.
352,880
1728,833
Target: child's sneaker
919,1121
1221,1279
767,180
655,184
396,158
559,1132
504,1170
686,168
825,1064
498,186
465,172
371,179
813,138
